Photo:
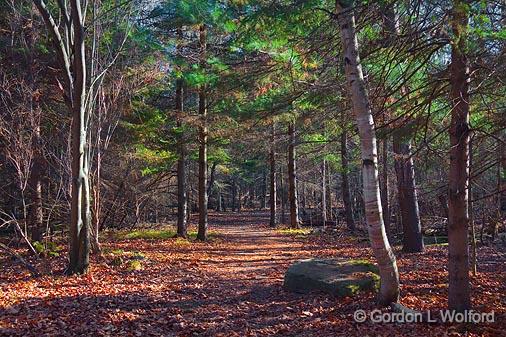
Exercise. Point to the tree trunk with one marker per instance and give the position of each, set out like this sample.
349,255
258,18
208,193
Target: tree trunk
345,184
384,186
292,179
181,164
35,211
273,194
234,193
95,244
389,285
329,193
202,231
412,240
471,211
212,177
239,197
501,178
219,206
282,196
80,206
263,197
324,196
458,221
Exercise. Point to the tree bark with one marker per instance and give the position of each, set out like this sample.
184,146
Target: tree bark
234,193
35,211
282,197
292,178
273,191
80,210
263,196
324,196
471,211
501,178
412,239
181,165
458,222
384,187
72,58
239,197
345,184
389,284
202,231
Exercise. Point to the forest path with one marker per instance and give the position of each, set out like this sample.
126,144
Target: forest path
231,285
254,249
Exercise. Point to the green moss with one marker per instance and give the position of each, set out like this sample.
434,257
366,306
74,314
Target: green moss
39,247
353,289
49,249
138,256
210,234
365,263
156,234
134,265
182,242
150,234
297,232
376,279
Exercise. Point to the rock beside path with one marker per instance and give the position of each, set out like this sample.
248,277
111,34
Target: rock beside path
335,277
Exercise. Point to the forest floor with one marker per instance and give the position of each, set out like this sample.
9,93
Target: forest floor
229,286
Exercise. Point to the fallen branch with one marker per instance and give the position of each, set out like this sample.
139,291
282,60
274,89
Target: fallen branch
28,266
28,243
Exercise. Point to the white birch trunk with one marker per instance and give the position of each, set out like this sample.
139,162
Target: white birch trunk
389,285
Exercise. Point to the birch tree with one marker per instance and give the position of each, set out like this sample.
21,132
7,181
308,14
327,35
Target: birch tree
389,285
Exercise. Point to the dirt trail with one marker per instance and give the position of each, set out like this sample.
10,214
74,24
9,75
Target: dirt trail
253,247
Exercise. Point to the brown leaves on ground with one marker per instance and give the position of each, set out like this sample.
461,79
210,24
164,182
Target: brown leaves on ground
231,286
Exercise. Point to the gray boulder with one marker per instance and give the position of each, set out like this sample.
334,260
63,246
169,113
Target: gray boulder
335,277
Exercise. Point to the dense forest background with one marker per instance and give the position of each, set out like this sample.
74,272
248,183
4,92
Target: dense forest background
124,115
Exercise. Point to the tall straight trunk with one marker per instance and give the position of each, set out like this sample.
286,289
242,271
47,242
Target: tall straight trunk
384,186
329,192
80,218
501,177
95,244
345,184
219,207
389,275
412,239
303,198
324,195
471,211
282,196
181,165
212,178
234,193
273,191
239,197
292,178
404,168
202,231
35,211
263,196
458,221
